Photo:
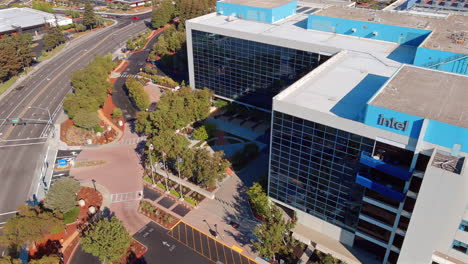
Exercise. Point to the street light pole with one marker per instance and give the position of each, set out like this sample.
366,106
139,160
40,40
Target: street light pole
151,147
167,174
179,160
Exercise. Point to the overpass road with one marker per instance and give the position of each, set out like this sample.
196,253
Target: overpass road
39,97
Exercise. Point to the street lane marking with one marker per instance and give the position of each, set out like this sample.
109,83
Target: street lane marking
12,212
236,248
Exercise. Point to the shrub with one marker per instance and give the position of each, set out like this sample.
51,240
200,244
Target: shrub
220,103
200,133
174,192
98,128
137,93
148,179
190,200
162,186
86,120
117,113
70,216
80,27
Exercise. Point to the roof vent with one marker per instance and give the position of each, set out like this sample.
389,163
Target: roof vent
353,30
375,33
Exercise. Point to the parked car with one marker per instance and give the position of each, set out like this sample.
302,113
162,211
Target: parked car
135,18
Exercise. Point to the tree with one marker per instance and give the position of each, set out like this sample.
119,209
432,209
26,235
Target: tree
15,54
52,38
62,195
200,133
117,113
209,168
9,260
42,6
29,225
259,200
137,93
106,239
52,259
89,18
163,14
172,144
80,27
274,235
86,120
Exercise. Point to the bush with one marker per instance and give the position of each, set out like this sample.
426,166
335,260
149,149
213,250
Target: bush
70,216
200,134
174,192
98,128
137,93
190,200
65,27
117,113
80,27
162,186
86,120
148,179
220,103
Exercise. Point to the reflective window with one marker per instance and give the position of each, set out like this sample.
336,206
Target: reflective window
248,71
316,169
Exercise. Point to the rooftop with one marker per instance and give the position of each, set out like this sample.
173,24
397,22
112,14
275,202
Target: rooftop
444,28
258,3
12,18
427,93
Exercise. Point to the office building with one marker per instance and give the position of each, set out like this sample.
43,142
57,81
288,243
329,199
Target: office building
369,132
27,20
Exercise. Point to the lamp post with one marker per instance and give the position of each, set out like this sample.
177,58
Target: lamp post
179,160
94,184
151,147
164,154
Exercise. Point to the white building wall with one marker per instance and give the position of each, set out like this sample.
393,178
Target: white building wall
438,212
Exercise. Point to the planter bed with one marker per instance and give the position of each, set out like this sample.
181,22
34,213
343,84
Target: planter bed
157,215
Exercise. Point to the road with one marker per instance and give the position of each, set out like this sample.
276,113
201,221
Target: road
39,97
119,95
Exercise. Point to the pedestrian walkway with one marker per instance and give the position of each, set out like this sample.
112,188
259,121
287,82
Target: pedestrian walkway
124,197
131,141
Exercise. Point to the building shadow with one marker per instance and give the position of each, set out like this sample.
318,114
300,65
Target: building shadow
353,105
403,54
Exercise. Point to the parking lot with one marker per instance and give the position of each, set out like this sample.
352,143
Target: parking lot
207,246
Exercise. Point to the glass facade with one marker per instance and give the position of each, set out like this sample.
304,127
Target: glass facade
313,168
247,71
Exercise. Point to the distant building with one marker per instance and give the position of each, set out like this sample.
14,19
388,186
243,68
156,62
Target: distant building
132,3
369,137
27,20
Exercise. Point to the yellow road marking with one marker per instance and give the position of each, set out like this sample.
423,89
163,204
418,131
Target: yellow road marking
236,248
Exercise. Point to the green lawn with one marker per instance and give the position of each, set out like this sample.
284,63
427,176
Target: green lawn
4,86
48,54
70,216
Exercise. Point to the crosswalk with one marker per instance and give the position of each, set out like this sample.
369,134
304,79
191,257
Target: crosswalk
131,141
124,197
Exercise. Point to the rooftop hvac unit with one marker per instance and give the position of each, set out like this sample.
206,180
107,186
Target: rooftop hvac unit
353,30
375,33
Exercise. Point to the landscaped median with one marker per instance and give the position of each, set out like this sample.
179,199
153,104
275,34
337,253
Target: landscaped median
157,215
193,198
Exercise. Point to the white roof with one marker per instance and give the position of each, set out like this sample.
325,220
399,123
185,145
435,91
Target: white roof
12,18
360,61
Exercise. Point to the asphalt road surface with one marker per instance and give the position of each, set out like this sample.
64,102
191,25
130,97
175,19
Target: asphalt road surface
39,97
